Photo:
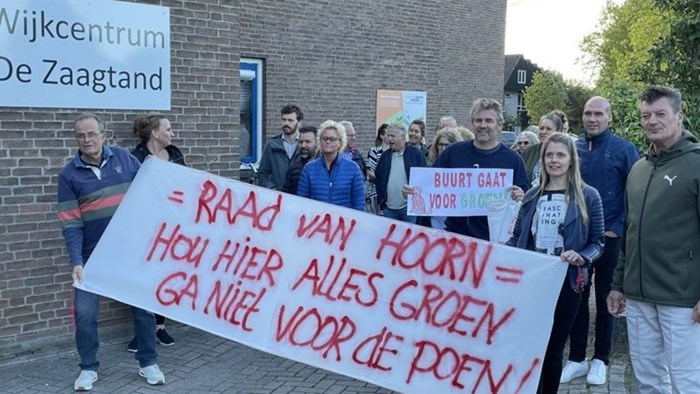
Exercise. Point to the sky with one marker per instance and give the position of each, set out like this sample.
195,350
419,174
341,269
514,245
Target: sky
548,32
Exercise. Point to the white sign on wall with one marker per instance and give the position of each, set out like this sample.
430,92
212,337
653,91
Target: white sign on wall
84,54
409,308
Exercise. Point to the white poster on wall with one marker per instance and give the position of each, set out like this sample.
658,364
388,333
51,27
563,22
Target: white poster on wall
409,308
84,54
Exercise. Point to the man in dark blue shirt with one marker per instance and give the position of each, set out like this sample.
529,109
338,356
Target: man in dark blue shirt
485,151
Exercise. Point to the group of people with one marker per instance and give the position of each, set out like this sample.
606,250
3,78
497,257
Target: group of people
318,162
605,233
629,225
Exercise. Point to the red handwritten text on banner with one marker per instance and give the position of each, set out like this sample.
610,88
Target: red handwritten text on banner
409,308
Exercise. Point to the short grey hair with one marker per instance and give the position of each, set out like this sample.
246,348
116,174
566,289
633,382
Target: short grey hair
89,115
487,104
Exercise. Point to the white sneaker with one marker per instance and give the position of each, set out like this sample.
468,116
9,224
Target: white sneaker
152,374
85,380
598,373
573,370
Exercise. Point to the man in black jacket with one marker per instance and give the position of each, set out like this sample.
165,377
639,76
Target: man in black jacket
308,150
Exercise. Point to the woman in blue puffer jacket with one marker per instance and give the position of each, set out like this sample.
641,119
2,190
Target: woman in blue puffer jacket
333,178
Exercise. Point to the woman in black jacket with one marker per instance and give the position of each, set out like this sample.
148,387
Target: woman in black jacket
156,136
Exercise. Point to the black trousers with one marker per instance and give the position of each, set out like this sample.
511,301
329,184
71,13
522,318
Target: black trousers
601,273
564,315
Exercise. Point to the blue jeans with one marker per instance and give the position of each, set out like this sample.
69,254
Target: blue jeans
86,308
398,214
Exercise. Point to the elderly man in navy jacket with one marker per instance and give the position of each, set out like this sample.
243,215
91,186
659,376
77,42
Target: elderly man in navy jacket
393,172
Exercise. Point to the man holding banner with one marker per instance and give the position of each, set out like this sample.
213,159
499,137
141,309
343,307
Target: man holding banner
90,187
485,151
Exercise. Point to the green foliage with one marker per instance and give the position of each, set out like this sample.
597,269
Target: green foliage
645,42
674,60
623,96
549,91
546,93
623,38
577,95
510,122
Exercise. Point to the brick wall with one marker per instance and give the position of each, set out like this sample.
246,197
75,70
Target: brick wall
35,143
330,57
327,56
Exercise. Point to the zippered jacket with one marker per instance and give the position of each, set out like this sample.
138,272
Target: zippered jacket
342,185
585,238
88,196
658,260
606,159
412,157
274,164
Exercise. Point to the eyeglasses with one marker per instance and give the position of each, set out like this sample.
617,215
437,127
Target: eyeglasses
87,136
351,136
329,139
523,142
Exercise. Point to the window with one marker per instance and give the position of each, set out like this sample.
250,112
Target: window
250,139
521,103
522,77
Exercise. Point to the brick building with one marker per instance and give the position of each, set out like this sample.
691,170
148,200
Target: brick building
234,61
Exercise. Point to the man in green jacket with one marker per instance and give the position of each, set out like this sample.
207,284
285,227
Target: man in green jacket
657,279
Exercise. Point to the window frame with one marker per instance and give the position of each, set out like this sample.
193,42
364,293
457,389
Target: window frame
252,70
522,77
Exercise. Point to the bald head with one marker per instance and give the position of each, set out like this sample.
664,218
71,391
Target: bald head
596,116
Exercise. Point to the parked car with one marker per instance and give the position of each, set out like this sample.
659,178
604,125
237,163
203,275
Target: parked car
508,138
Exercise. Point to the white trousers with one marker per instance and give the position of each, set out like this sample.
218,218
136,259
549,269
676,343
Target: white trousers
664,348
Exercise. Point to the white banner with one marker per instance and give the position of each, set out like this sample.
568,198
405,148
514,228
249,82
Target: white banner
84,54
408,308
457,191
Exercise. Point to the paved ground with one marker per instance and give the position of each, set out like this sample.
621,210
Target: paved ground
203,363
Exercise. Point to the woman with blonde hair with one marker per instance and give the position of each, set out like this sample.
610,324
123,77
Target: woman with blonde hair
443,138
561,217
466,134
332,178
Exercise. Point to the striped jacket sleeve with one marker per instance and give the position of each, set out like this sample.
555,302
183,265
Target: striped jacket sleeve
71,220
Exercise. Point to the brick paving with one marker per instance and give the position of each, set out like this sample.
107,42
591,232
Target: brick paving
203,363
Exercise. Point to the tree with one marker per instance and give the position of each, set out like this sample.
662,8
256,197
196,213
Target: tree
618,49
546,93
675,58
625,34
623,96
577,95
